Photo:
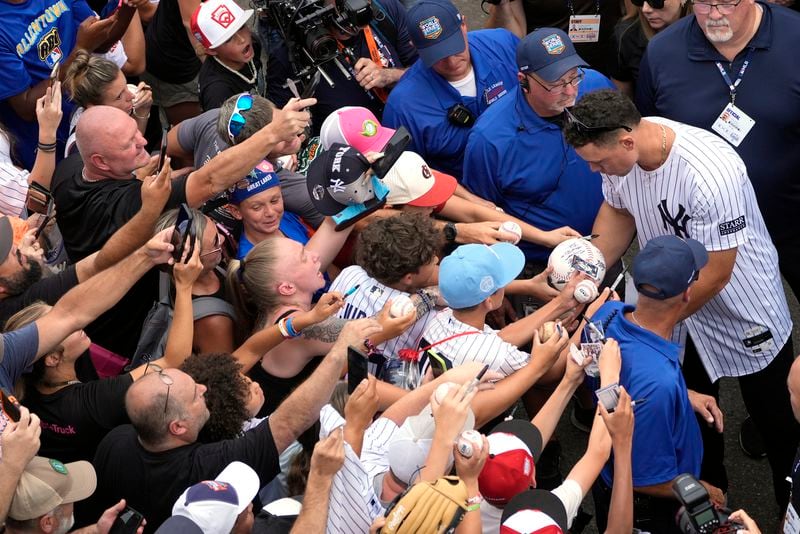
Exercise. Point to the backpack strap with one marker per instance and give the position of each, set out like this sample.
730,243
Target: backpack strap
203,307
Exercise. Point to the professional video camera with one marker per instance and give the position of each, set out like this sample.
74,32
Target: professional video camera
305,26
698,515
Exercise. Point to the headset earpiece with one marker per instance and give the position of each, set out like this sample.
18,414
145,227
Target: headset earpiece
523,83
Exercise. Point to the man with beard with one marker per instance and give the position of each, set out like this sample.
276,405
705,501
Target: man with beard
21,274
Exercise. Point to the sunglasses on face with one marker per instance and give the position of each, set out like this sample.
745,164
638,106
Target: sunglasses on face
655,4
576,124
237,120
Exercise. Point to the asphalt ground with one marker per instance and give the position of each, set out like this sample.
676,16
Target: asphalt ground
750,482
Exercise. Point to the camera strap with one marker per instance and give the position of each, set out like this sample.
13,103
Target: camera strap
380,92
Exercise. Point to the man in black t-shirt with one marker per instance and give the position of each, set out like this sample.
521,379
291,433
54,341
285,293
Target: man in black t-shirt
96,193
151,462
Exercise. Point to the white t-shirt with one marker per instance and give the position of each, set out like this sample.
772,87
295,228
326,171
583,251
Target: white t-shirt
702,191
466,86
483,346
569,492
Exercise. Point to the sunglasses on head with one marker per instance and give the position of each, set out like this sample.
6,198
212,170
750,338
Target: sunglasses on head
655,4
237,120
579,126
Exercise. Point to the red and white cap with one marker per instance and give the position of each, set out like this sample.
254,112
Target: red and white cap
534,512
514,448
215,21
411,181
357,127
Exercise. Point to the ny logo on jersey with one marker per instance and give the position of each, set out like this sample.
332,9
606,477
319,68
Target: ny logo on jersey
678,222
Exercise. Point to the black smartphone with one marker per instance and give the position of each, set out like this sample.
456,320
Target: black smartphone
9,404
439,364
392,151
183,235
311,86
356,368
42,225
163,154
127,522
39,198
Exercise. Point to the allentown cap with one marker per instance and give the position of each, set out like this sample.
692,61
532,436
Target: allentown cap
435,28
547,53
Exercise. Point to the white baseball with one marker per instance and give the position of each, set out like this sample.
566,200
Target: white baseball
512,228
133,89
469,443
401,306
585,291
442,391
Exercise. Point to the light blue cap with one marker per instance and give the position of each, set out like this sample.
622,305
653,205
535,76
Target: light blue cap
474,272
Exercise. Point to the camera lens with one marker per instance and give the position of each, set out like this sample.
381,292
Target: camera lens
320,44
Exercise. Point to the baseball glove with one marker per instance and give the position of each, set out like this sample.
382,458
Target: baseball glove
428,508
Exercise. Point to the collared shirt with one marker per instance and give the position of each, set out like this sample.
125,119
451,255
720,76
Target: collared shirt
522,163
666,437
422,99
679,80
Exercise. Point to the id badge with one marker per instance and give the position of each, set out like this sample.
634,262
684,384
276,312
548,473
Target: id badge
791,525
584,28
733,124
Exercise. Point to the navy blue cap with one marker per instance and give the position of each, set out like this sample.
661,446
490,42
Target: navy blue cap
435,27
547,53
667,265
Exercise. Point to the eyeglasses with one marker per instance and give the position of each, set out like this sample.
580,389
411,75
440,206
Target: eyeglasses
702,8
218,241
165,378
576,124
237,120
561,87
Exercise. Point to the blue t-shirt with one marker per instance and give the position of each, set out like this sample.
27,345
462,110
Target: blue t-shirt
34,35
666,436
395,53
291,226
679,80
18,353
522,163
422,99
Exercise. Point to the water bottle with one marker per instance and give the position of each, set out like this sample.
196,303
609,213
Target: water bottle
403,370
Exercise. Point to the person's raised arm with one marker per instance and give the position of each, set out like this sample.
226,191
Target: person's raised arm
449,415
521,332
48,115
301,408
327,242
326,460
359,411
598,450
134,233
468,470
85,302
508,14
232,164
615,229
620,426
20,442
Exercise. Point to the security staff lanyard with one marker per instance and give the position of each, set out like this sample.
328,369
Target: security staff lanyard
732,86
375,56
584,28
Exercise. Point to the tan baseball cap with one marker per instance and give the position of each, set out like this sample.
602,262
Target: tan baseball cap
411,181
47,483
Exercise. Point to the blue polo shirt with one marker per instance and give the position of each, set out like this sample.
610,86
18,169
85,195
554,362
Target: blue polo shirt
34,35
522,163
679,79
422,98
666,436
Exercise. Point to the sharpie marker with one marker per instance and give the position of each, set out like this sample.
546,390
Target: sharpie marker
351,291
638,402
590,237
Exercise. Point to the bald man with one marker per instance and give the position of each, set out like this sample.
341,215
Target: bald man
153,460
96,191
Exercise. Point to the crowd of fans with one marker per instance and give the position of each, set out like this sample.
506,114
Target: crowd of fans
287,267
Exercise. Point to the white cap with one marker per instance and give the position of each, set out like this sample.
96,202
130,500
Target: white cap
215,21
411,181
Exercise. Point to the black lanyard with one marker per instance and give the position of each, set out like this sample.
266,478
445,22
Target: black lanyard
732,86
571,7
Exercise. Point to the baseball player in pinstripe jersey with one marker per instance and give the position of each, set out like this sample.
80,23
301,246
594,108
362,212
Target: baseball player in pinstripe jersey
662,177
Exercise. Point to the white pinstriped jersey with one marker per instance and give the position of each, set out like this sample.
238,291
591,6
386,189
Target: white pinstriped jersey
13,189
353,503
368,300
702,191
483,346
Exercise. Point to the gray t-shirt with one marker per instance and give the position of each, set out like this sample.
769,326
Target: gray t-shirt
199,136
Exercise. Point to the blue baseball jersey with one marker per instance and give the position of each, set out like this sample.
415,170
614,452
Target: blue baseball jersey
521,162
666,436
422,99
34,36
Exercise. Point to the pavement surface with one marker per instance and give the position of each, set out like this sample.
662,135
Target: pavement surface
750,482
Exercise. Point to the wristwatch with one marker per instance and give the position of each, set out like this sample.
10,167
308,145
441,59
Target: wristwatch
450,232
